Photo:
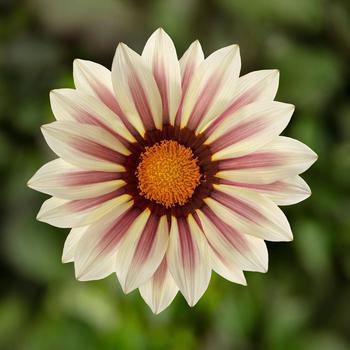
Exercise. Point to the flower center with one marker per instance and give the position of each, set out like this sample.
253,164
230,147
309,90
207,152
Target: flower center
168,173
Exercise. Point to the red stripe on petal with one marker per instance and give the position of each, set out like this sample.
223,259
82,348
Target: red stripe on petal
146,241
160,78
116,231
238,206
233,236
88,203
239,133
79,178
141,102
97,150
186,243
251,161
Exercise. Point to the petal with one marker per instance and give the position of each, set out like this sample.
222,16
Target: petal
160,290
141,252
210,90
71,243
160,56
96,80
188,258
189,62
136,89
248,129
254,213
227,269
63,180
95,254
245,252
74,105
65,213
255,86
282,158
86,146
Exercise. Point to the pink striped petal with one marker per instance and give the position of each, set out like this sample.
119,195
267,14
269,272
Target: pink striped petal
63,180
86,146
233,246
74,213
74,105
136,89
210,89
95,254
280,159
188,258
96,80
250,128
161,58
71,243
255,86
189,62
160,290
141,252
252,213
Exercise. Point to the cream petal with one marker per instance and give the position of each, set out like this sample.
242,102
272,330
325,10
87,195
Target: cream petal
282,158
136,89
63,180
65,213
71,242
249,129
95,254
188,258
210,89
86,146
160,55
255,86
246,252
141,252
252,213
160,290
74,105
227,269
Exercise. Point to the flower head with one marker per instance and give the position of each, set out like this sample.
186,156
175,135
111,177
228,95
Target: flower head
169,169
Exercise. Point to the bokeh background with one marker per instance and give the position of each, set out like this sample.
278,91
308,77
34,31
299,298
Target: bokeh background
303,302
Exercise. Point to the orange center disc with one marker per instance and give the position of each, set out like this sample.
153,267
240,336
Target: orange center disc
168,173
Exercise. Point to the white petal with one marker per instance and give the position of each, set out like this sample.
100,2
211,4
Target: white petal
64,213
71,242
252,213
250,128
159,291
282,158
210,90
141,252
243,251
86,146
136,89
63,180
74,105
255,86
288,191
188,258
160,56
227,269
95,254
189,62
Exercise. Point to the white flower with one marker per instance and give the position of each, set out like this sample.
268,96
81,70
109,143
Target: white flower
169,169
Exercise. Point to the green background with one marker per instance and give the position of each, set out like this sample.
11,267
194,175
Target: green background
303,302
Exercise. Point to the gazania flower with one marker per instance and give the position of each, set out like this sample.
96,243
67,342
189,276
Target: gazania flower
169,169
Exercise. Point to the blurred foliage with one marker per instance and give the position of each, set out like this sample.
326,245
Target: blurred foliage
304,300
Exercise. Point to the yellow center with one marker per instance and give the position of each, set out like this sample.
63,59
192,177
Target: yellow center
168,173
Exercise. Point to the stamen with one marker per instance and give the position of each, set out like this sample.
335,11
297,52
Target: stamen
168,173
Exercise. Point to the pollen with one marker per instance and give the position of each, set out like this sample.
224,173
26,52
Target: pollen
168,173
